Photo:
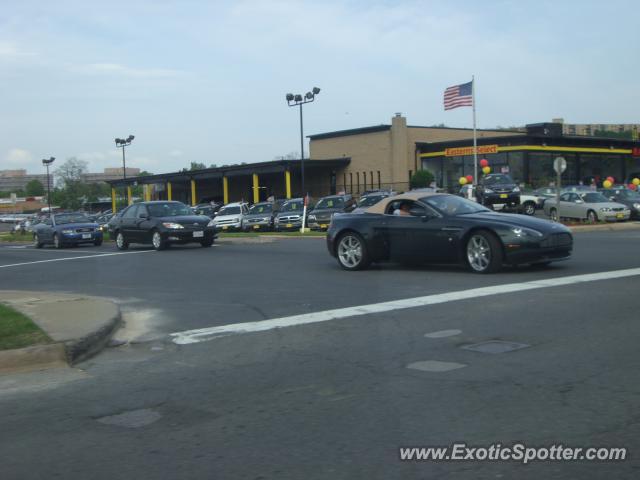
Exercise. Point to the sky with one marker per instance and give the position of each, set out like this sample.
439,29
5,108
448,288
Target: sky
205,81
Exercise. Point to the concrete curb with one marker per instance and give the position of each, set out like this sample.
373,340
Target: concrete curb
609,227
80,327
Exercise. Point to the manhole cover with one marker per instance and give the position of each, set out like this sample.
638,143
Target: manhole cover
495,346
132,418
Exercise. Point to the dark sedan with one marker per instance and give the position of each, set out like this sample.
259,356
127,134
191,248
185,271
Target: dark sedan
627,197
65,229
161,224
498,188
440,228
320,216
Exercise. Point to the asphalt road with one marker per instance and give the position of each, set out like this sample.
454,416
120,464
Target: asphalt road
330,400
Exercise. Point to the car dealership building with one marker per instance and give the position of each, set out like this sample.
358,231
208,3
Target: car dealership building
385,156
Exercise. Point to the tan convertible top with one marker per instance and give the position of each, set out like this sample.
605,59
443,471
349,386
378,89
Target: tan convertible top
381,206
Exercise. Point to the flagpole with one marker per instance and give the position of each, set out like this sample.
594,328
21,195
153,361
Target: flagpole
475,142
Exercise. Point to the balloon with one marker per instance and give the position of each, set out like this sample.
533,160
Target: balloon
469,178
463,180
632,186
611,179
486,170
636,181
607,183
484,162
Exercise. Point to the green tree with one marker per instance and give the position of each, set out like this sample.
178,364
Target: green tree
421,179
197,166
34,188
72,190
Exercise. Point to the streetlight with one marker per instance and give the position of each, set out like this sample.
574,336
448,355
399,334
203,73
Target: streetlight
46,162
299,100
121,143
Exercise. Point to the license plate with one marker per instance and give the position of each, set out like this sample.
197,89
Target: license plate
504,195
323,225
199,234
289,225
225,227
619,215
86,235
256,227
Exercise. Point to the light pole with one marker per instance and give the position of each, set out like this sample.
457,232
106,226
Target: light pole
122,143
299,100
46,162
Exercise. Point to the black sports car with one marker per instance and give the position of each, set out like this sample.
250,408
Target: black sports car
160,223
440,228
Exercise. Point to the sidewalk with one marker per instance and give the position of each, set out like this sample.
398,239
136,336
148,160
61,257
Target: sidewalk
79,326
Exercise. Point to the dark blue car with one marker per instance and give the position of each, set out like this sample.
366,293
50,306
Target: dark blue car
67,229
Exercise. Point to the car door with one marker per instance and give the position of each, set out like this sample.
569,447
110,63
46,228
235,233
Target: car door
143,224
565,209
45,230
128,225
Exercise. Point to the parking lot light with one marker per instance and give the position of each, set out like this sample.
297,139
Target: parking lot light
122,143
46,162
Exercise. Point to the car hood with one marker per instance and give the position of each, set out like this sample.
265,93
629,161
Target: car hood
258,215
515,220
201,219
606,205
500,185
77,225
326,211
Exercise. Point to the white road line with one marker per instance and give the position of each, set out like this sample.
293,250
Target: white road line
73,258
206,334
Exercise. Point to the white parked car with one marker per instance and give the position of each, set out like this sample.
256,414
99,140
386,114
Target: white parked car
230,216
591,206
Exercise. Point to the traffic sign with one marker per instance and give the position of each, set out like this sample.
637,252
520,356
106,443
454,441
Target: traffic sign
559,165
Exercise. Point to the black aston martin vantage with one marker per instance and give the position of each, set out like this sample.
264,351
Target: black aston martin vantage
419,227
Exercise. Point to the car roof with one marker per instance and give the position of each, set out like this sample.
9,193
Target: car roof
382,205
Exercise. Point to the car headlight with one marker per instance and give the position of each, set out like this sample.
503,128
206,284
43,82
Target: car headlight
173,226
636,206
488,190
516,189
526,232
605,209
212,223
67,232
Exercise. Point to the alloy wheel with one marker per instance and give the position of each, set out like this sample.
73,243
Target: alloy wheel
350,251
529,209
479,253
119,240
156,240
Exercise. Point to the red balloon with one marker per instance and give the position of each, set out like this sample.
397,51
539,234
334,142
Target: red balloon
469,178
484,162
633,186
611,179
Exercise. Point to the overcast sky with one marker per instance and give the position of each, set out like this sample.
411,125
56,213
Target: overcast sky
205,81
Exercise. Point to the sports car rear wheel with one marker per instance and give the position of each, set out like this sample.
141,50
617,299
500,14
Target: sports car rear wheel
352,252
484,253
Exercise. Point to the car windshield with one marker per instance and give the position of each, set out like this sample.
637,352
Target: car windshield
292,206
453,205
168,209
229,211
497,179
628,194
261,208
336,202
63,218
594,197
370,200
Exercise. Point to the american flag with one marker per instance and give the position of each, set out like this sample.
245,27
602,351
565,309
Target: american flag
458,96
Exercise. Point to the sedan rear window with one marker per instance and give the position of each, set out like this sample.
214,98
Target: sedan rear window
229,211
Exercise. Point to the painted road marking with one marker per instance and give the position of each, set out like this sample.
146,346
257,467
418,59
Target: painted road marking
435,366
73,258
211,333
443,333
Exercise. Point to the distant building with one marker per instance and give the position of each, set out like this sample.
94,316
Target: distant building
110,174
14,180
590,129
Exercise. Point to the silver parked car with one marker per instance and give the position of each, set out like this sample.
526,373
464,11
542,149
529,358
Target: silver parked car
591,206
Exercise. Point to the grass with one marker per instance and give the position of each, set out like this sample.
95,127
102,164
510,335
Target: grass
17,331
267,234
12,237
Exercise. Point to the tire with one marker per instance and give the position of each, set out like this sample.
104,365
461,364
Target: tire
121,242
483,252
157,241
97,243
36,241
56,241
553,213
206,243
351,252
592,217
529,208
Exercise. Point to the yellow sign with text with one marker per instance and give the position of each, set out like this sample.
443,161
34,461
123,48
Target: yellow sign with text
481,150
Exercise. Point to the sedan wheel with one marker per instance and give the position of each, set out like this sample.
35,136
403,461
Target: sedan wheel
529,208
121,243
484,253
36,241
352,252
554,214
56,241
592,217
158,242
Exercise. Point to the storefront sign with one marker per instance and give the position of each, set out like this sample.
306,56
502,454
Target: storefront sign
481,150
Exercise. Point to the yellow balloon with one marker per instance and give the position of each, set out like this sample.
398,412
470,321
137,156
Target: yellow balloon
463,180
486,170
607,184
636,181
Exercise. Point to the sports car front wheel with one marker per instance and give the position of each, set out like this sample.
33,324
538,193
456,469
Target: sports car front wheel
484,253
352,252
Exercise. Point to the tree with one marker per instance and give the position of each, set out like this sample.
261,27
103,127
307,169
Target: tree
71,189
34,188
197,166
421,179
